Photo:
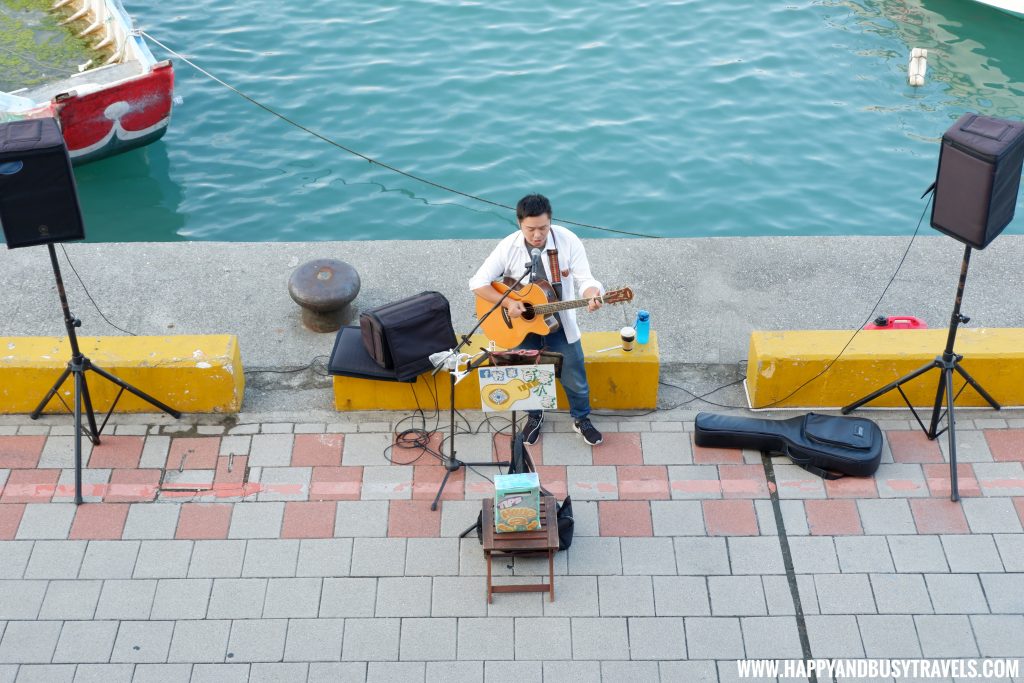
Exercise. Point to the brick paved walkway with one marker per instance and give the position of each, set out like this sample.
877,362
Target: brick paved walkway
281,550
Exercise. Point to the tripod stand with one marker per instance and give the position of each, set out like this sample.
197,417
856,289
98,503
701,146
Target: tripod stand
948,362
78,366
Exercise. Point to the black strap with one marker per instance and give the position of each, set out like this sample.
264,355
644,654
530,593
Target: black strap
813,469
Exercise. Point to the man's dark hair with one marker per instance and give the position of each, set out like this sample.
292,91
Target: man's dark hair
532,205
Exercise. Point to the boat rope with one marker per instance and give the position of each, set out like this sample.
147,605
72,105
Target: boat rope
364,157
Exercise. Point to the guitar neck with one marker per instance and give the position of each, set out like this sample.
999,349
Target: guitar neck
544,309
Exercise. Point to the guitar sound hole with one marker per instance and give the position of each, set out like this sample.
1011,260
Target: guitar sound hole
528,313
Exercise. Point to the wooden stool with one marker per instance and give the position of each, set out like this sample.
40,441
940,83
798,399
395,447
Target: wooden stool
540,542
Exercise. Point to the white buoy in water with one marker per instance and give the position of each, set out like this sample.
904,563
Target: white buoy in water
918,66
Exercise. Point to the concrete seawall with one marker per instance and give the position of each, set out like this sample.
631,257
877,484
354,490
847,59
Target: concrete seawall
705,295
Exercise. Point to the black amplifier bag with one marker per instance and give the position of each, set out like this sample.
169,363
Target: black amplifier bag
400,336
827,445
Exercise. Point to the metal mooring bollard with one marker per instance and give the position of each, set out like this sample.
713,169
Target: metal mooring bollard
324,288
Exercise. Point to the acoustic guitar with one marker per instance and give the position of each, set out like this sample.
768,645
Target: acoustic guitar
497,396
541,304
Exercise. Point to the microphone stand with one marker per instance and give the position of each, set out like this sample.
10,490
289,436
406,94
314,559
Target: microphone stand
451,463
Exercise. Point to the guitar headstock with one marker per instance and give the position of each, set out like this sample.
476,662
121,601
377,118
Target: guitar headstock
618,296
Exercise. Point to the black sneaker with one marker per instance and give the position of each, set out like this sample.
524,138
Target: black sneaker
531,432
586,428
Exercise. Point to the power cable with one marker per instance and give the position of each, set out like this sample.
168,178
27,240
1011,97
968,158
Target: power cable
86,290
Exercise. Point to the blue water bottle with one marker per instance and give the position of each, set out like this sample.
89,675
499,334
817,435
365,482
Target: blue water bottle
643,327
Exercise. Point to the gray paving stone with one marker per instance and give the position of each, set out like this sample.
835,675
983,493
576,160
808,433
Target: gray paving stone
518,604
181,599
901,594
600,639
971,553
886,516
70,600
680,596
889,636
284,483
991,515
273,672
625,596
337,672
999,635
432,556
542,639
199,641
834,636
142,641
29,642
771,638
456,516
367,449
666,449
126,599
900,480
85,642
109,560
793,516
94,485
154,452
593,482
814,555
348,597
1005,592
917,554
371,640
844,594
714,637
956,594
149,521
779,596
325,557
162,673
386,672
310,640
265,557
592,555
104,673
55,560
657,638
220,673
237,598
256,520
403,596
472,562
947,636
971,446
575,596
163,560
700,556
14,558
271,450
387,482
694,482
216,559
59,452
257,640
566,449
46,520
629,671
864,554
292,598
578,672
378,557
796,483
362,519
648,556
476,638
238,445
677,517
1011,550
755,555
695,672
46,673
737,596
428,639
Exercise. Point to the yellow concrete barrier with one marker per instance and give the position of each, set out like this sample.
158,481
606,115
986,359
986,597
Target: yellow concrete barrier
193,374
779,362
619,380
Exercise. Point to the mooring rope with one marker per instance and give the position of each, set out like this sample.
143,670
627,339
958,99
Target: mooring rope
369,159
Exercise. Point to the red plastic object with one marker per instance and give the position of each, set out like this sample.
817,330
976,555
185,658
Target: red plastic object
896,322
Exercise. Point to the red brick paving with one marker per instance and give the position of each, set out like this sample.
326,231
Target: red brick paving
426,479
619,448
833,517
413,519
912,446
204,521
231,483
938,516
1019,504
1005,444
716,456
132,486
10,518
625,518
117,451
199,453
20,451
99,521
743,481
937,477
554,479
729,517
30,486
851,487
317,450
308,520
643,482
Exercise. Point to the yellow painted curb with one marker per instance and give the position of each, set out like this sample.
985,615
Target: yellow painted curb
619,380
779,362
190,373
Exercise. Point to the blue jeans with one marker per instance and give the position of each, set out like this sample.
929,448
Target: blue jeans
574,373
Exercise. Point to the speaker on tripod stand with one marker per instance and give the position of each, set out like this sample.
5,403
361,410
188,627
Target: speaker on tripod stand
976,189
39,205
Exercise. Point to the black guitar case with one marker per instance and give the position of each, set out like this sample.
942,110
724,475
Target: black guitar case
827,445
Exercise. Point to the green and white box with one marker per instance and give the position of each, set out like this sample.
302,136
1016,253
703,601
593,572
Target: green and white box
516,502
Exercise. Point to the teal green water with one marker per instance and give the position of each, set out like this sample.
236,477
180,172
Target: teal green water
692,118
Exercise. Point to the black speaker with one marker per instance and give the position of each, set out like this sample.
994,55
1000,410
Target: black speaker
38,199
978,178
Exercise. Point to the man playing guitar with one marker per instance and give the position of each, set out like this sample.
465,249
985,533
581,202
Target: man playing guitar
509,258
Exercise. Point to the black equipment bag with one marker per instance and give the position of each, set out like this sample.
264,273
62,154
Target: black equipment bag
826,445
400,336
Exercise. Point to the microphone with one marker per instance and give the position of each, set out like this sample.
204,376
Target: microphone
536,269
